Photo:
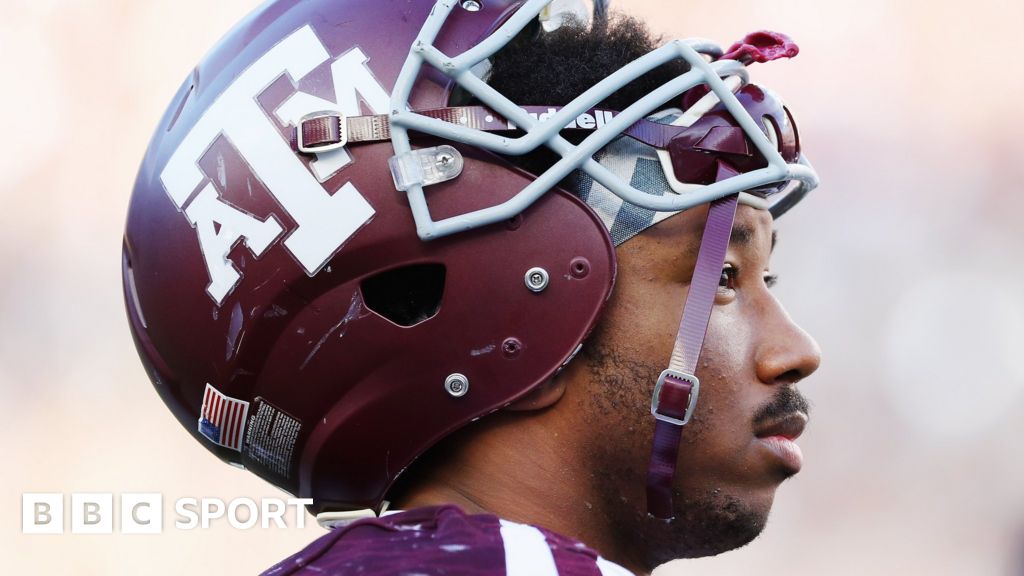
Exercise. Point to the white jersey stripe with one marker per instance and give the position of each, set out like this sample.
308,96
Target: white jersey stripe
526,551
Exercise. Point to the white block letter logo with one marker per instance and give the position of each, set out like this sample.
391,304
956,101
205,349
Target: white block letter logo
142,513
42,513
92,513
324,220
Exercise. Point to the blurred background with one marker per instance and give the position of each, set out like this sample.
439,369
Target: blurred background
905,265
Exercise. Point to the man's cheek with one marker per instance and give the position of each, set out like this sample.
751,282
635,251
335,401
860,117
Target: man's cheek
696,430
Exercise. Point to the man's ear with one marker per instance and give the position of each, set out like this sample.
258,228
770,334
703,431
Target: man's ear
540,397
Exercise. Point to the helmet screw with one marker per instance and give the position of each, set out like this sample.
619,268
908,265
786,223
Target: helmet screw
471,5
579,267
444,159
536,279
511,347
457,385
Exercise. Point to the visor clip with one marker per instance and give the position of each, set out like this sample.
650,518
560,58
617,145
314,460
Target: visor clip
425,166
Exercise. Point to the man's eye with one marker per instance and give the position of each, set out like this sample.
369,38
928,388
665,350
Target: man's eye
771,280
728,278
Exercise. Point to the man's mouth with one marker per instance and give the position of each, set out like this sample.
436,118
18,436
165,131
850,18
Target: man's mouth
779,436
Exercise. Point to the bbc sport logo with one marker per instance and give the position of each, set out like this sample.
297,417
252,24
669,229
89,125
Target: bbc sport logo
143,513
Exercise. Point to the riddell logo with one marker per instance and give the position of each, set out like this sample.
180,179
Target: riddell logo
585,121
325,219
142,513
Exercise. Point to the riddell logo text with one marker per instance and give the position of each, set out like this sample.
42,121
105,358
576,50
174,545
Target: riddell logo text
143,513
586,121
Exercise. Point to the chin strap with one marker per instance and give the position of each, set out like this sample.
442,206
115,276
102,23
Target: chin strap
675,394
329,130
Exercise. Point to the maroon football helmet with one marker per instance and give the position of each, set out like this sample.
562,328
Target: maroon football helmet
305,319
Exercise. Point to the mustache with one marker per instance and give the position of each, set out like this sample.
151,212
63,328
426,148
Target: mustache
787,401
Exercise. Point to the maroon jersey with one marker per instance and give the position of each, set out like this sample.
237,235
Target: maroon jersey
445,540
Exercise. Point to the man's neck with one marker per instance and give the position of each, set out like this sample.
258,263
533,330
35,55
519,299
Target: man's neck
543,480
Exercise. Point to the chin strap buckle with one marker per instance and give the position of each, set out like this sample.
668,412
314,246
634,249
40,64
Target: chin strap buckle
321,132
675,397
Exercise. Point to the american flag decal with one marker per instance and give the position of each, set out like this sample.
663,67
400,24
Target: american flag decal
222,418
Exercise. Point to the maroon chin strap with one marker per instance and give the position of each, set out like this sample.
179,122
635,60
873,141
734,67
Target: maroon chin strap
675,394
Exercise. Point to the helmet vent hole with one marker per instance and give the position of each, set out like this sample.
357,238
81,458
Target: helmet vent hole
406,296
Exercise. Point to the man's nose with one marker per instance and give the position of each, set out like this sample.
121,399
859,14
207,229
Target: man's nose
786,353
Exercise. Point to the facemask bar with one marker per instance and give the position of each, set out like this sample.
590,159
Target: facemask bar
547,132
780,203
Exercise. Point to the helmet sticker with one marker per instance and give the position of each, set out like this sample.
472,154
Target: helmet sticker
325,219
271,439
222,419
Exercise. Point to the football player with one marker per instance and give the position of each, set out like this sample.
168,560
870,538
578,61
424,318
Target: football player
487,280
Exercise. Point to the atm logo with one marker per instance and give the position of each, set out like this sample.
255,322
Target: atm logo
325,219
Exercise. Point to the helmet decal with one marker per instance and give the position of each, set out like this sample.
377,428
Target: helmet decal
324,219
222,419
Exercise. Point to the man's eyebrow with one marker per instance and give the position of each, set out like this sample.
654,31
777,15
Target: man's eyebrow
742,236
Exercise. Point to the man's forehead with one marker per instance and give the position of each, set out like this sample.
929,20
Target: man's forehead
751,228
680,235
